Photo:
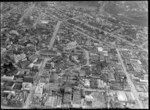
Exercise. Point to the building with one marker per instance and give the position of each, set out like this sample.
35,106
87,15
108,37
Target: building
100,48
71,45
121,96
45,77
67,98
8,85
21,57
59,101
87,82
39,90
111,77
3,50
93,83
76,99
101,84
102,58
68,89
28,79
26,86
7,77
51,101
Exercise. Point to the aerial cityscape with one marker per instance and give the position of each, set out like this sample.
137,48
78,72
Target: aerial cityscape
83,54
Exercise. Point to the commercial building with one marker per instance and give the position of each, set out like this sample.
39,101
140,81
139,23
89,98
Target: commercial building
101,83
51,101
76,99
67,98
121,96
59,101
87,83
39,90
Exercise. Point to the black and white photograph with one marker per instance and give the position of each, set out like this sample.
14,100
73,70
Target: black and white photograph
74,54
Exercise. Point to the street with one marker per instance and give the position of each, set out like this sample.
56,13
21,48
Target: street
133,89
92,37
54,35
119,36
30,96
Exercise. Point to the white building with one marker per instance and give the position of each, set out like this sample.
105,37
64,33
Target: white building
39,90
71,45
121,96
87,83
100,48
26,86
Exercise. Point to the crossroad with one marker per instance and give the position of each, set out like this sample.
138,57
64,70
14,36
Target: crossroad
29,10
38,20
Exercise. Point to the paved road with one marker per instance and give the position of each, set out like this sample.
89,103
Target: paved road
133,89
54,35
42,67
92,37
6,107
30,96
118,36
71,18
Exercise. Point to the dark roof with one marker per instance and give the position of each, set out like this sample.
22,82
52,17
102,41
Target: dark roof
28,79
50,52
